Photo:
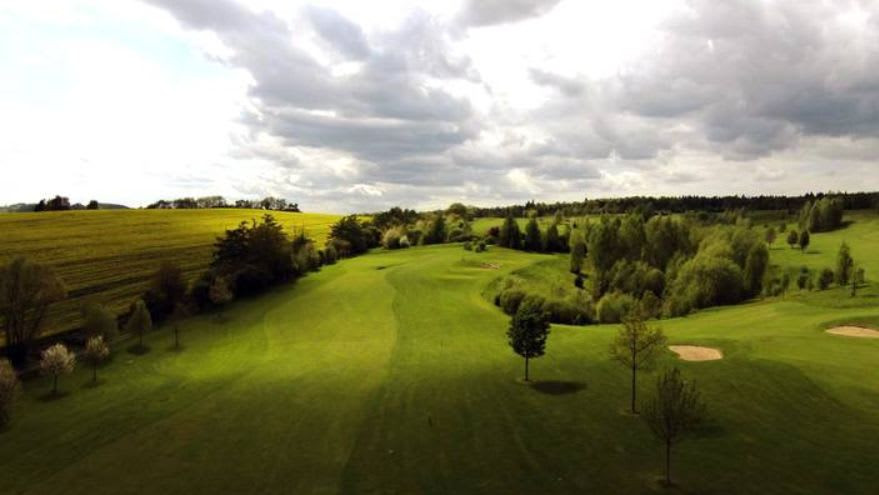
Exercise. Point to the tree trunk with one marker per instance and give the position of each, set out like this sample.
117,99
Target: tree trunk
526,369
668,462
634,388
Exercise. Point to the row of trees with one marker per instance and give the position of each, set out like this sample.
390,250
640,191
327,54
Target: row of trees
268,203
676,408
680,204
62,203
822,215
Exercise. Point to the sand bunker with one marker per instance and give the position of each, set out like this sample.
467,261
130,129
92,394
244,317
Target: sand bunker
696,353
852,331
490,266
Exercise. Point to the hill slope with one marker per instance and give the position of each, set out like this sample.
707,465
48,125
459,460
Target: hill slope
108,256
389,373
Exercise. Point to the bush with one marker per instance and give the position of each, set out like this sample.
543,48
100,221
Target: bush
705,281
803,278
825,279
651,305
567,311
614,306
9,388
510,299
468,246
480,246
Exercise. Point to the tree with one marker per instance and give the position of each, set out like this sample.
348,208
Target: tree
674,411
220,294
793,238
845,265
57,360
96,352
552,242
804,241
528,332
139,322
458,209
351,237
436,233
636,346
578,252
755,269
771,235
167,290
27,290
858,278
93,205
804,277
532,235
9,389
509,236
825,279
180,313
99,321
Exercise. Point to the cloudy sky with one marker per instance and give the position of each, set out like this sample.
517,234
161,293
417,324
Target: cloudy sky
354,106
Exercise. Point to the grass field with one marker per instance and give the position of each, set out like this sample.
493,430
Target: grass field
390,373
108,256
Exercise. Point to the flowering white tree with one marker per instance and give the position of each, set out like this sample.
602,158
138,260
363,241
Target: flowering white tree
57,360
96,352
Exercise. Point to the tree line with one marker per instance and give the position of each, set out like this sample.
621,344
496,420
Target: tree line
269,203
679,204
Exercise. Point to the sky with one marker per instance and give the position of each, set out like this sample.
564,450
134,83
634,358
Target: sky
354,106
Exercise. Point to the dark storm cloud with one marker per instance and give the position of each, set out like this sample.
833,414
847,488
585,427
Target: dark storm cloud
755,76
488,12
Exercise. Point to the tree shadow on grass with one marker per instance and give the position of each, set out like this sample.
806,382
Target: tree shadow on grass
558,387
138,350
53,396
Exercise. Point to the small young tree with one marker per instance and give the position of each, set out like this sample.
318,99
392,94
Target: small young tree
180,313
674,411
804,277
220,294
793,238
845,265
636,346
139,322
57,360
96,352
825,279
528,332
771,235
858,278
9,388
804,241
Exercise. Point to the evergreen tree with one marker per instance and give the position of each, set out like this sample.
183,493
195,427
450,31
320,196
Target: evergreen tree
804,241
532,236
509,236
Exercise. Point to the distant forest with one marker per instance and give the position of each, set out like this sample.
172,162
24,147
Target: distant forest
679,204
269,203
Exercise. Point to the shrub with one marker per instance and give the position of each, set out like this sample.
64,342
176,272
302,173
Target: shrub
468,246
651,305
705,281
480,246
825,279
510,299
803,278
404,242
9,388
614,306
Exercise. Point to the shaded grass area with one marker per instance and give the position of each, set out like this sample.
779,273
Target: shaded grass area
107,256
399,380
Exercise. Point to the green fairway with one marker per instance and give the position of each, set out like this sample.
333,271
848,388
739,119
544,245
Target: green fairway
390,373
107,256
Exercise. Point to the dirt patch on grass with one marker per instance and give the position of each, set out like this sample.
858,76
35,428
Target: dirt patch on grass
490,266
853,331
696,353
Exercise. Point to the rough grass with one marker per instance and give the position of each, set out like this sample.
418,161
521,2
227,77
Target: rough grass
108,255
399,380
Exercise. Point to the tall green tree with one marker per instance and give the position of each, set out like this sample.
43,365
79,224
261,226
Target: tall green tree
532,236
675,410
771,235
804,241
793,239
27,290
510,236
636,346
99,321
578,252
604,251
845,265
755,269
528,332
